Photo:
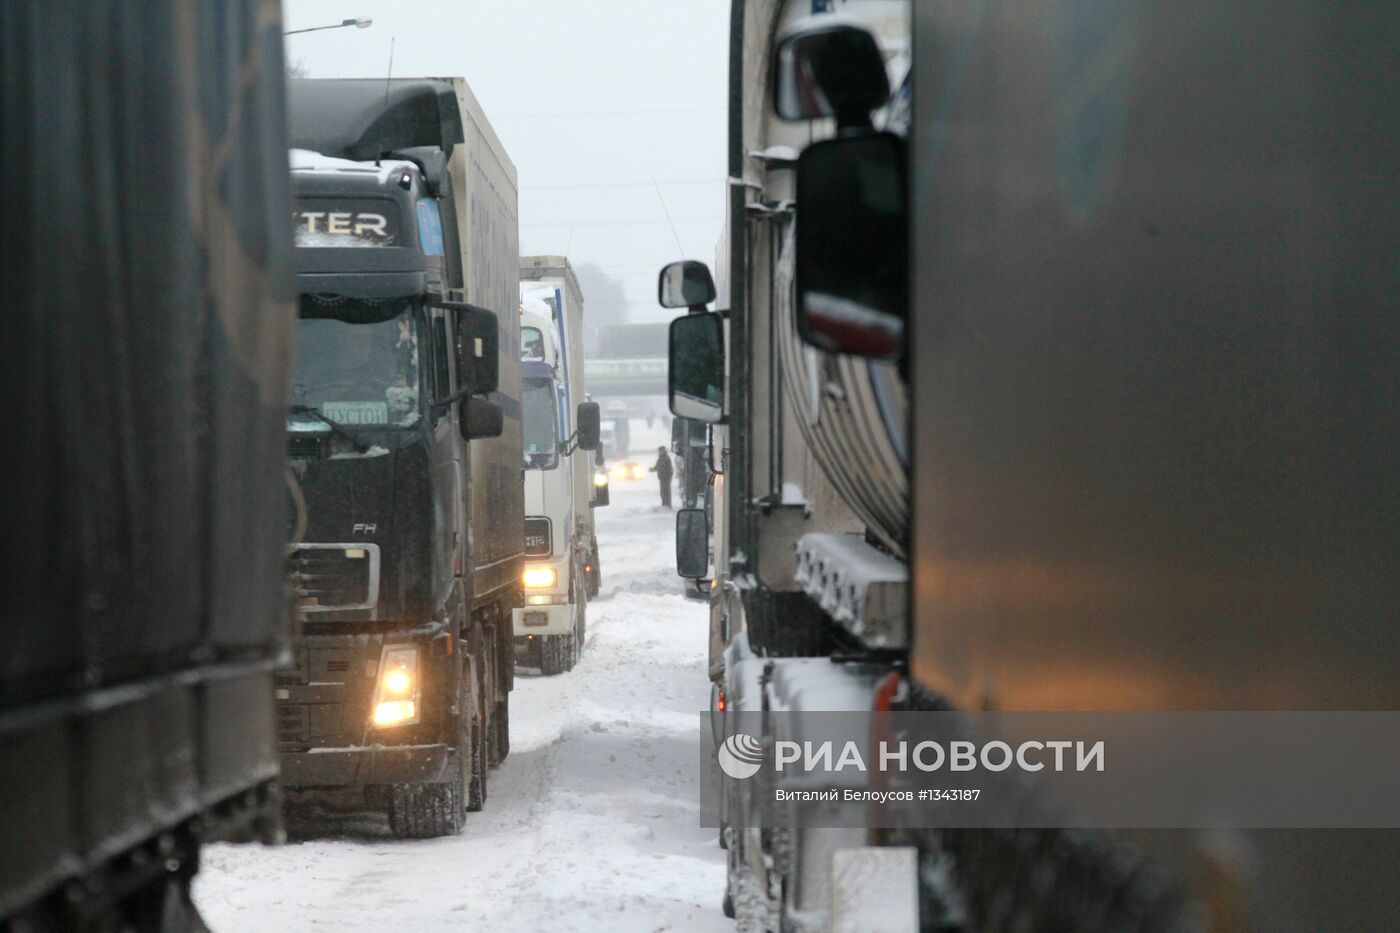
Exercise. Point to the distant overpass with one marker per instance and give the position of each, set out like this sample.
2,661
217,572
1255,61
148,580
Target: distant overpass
626,360
613,377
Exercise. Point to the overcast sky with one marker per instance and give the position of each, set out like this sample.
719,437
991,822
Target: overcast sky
593,99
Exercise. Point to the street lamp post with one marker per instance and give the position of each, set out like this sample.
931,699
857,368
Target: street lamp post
359,22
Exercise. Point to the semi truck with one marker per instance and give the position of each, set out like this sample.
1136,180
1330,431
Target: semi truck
1078,322
148,329
562,436
404,432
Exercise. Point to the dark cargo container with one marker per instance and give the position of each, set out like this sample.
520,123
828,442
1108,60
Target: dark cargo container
147,328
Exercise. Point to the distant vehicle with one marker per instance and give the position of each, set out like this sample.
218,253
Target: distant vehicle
628,470
559,447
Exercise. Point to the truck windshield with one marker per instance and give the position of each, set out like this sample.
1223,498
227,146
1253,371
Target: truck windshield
358,363
541,416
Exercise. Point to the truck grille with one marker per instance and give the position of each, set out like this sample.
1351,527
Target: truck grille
330,577
292,728
537,537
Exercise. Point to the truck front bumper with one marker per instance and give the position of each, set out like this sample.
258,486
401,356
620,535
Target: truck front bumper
542,620
357,766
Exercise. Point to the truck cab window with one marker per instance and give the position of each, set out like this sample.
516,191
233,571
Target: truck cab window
357,363
540,412
532,344
442,378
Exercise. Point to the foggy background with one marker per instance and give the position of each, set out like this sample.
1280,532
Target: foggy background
613,112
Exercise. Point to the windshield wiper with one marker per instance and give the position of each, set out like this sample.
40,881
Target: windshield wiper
335,426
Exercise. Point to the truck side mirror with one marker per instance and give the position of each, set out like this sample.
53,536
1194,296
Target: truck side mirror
478,348
685,285
825,68
852,250
692,543
590,426
695,376
478,419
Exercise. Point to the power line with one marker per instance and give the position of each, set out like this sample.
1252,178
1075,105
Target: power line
624,184
624,223
604,113
680,250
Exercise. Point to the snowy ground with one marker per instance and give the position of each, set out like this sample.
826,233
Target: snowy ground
591,823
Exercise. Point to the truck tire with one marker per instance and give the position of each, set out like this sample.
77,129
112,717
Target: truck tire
423,811
475,718
594,577
500,746
556,654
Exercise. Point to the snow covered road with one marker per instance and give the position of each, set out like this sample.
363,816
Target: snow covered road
591,823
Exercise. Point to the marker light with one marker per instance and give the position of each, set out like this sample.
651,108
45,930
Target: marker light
539,578
397,691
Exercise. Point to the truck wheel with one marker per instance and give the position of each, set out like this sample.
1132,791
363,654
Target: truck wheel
556,654
422,811
501,729
476,735
581,628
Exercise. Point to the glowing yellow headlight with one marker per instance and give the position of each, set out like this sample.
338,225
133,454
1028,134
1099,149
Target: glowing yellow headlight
638,472
600,479
539,578
393,712
396,692
398,683
619,472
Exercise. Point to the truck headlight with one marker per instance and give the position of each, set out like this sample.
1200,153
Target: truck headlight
539,578
398,689
600,478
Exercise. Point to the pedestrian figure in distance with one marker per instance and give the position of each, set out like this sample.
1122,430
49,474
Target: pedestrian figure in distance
662,469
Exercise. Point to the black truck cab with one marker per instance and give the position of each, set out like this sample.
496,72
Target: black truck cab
385,701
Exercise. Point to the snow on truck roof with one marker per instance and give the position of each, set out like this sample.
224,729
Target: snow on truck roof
304,160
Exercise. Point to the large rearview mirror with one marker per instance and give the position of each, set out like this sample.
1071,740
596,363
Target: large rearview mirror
478,348
853,245
692,543
685,285
589,426
696,372
478,419
823,68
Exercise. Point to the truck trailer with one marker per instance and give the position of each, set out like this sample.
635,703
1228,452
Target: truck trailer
1096,389
562,434
404,431
148,328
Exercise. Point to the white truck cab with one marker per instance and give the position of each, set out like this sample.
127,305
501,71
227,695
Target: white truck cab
560,545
